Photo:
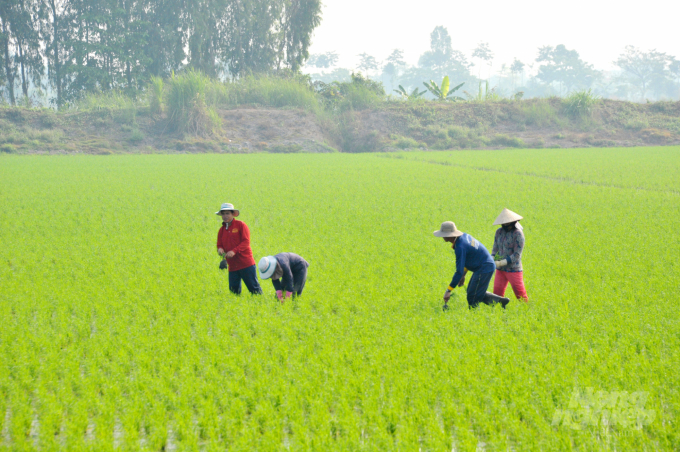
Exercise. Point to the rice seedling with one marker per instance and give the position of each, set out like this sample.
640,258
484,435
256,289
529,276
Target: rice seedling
118,331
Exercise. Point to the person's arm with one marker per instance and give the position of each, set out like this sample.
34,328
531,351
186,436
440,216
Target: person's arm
220,250
518,247
277,284
494,250
287,278
459,276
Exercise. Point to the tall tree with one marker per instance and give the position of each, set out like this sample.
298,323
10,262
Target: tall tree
8,18
483,53
441,59
643,69
322,60
367,63
517,67
564,66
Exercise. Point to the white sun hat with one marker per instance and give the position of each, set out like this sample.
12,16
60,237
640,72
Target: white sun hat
507,216
267,267
228,206
448,229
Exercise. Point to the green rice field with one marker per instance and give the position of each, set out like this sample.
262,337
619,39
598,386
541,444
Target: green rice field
118,332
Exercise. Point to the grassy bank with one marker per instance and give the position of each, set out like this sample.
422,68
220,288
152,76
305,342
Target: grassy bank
192,113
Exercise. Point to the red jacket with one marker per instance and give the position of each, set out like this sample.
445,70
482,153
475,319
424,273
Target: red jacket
237,239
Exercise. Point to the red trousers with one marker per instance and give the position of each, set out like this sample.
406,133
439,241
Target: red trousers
516,282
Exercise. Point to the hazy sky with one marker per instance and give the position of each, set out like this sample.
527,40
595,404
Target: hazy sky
598,30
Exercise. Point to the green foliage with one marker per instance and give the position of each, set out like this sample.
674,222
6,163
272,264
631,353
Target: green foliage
285,148
274,92
415,94
485,95
539,113
8,148
404,142
579,104
505,140
637,123
443,92
359,94
136,137
156,95
187,101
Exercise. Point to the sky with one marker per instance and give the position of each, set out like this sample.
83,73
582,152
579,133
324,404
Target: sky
598,30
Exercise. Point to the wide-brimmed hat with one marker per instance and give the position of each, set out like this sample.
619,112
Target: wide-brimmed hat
228,206
267,267
448,229
507,216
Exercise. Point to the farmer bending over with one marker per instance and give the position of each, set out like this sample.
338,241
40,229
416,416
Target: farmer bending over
507,247
470,255
287,270
233,243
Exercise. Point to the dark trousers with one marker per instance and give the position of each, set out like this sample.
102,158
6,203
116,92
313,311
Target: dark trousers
249,277
299,280
477,290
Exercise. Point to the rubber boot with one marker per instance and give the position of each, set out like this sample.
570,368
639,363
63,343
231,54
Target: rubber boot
491,299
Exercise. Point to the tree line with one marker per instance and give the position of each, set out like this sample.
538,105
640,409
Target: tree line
556,70
74,46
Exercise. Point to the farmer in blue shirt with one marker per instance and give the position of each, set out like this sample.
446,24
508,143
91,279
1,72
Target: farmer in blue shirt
470,256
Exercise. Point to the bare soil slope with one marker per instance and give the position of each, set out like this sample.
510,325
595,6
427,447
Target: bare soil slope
394,125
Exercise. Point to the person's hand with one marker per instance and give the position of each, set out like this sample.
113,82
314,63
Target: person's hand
279,295
447,296
230,254
501,263
220,251
462,281
289,294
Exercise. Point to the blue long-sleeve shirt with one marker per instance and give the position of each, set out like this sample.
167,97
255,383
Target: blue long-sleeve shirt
471,255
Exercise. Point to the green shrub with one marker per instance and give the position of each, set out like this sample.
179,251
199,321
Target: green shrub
285,148
125,115
637,123
579,104
50,136
186,101
8,148
49,120
536,112
405,143
136,136
457,132
505,140
273,92
16,115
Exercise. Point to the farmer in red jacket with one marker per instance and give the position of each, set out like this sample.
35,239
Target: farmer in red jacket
233,243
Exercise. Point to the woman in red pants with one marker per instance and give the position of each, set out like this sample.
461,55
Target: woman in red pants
509,244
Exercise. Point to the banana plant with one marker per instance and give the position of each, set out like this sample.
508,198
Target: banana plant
443,92
415,94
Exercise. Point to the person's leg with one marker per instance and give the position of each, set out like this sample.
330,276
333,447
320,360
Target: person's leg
299,280
500,283
477,289
517,283
249,275
235,282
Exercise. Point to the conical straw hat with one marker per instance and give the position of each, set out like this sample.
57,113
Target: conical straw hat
507,216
